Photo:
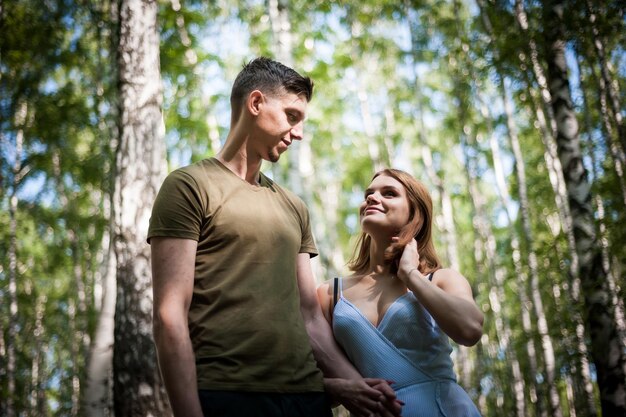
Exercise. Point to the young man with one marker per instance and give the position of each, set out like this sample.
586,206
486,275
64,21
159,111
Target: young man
237,325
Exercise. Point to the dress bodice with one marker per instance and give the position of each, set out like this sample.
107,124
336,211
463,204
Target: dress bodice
406,327
406,347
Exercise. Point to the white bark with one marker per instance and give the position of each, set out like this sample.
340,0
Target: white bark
140,170
611,91
37,375
97,399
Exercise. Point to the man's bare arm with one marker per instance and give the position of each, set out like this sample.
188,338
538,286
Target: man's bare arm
173,263
360,396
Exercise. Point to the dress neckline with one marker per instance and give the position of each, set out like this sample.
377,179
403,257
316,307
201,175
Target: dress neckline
384,318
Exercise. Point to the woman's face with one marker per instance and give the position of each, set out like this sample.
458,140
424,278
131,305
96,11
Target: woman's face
385,206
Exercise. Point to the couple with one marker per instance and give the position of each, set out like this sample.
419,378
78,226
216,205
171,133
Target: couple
237,320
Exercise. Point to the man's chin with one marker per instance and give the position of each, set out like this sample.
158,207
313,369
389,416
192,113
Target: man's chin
274,155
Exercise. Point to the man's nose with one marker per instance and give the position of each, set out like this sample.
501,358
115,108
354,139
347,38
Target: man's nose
297,131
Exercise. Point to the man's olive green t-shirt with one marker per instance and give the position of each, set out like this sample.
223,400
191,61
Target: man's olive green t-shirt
244,320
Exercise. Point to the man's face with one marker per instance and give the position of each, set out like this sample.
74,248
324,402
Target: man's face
279,122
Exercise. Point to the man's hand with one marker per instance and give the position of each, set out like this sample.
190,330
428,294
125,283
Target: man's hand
369,397
390,402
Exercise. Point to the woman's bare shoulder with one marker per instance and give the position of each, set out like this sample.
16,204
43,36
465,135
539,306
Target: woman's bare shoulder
449,273
451,280
352,280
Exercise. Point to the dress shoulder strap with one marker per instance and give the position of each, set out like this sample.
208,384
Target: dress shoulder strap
335,289
430,276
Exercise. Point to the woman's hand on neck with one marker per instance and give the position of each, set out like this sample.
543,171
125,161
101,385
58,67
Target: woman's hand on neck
409,262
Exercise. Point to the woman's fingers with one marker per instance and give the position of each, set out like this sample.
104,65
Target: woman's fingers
389,406
382,387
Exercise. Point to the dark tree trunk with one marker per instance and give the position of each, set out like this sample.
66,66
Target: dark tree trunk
607,352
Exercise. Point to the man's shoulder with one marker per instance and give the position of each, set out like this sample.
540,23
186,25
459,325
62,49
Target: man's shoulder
198,167
199,171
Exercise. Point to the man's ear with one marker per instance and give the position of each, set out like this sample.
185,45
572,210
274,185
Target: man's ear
255,101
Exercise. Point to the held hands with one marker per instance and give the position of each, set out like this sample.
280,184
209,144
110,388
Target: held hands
368,397
409,261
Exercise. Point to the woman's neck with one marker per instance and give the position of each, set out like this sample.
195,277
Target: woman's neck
377,264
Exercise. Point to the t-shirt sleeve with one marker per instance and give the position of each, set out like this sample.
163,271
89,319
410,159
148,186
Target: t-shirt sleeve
308,241
177,210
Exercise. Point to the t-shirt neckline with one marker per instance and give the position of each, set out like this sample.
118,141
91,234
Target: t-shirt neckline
263,180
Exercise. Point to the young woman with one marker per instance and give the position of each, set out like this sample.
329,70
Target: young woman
394,315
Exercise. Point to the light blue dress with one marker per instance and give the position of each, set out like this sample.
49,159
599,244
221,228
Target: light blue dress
409,348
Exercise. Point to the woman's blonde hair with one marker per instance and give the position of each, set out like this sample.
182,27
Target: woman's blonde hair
419,227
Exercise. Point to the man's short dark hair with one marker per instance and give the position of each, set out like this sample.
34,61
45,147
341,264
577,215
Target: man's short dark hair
267,76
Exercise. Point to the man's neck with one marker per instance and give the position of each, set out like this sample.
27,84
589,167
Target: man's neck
234,156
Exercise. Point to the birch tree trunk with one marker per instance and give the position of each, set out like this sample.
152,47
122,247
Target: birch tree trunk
547,347
12,298
522,190
485,253
299,175
426,158
327,226
140,169
379,161
368,125
464,365
608,353
281,30
280,24
603,234
97,400
524,210
548,129
81,340
616,153
586,404
18,174
518,381
612,92
373,147
487,238
38,370
77,308
390,132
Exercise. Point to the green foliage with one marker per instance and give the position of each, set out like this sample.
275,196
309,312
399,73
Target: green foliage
55,95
